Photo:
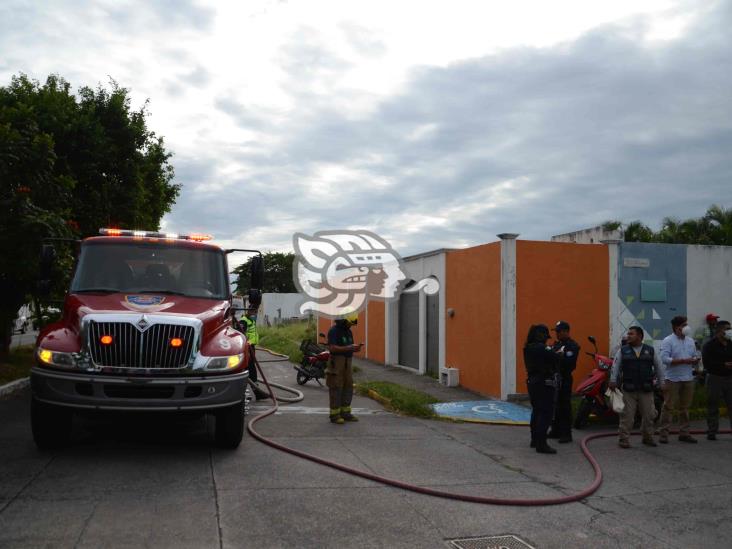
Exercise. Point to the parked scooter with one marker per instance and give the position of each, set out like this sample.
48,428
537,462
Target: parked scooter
593,387
314,361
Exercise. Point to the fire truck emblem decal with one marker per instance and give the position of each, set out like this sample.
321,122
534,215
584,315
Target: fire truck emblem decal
145,300
339,271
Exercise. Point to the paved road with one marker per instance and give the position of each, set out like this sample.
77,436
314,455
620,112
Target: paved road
28,338
161,485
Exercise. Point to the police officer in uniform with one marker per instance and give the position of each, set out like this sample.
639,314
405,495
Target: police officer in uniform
638,363
339,373
567,350
542,367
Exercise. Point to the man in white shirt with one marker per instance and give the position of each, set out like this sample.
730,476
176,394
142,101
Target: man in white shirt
679,356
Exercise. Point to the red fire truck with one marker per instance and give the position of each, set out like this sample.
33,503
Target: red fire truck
146,327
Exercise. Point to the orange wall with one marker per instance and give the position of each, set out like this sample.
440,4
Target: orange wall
359,331
562,281
473,335
376,350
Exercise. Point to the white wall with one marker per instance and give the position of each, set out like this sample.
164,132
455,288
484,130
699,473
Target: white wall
280,306
708,283
593,235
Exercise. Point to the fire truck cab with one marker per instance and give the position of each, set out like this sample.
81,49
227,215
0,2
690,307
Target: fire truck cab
146,327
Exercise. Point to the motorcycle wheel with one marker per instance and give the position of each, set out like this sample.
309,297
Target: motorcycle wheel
583,414
302,379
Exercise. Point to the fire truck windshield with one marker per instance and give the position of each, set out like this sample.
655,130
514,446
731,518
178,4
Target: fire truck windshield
141,267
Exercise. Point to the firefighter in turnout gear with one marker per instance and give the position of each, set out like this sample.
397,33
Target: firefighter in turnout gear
339,373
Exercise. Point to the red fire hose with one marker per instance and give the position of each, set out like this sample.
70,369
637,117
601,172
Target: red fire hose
592,488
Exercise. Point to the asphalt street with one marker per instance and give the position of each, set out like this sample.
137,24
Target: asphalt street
19,340
160,483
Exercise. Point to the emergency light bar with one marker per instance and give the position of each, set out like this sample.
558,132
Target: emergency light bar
149,234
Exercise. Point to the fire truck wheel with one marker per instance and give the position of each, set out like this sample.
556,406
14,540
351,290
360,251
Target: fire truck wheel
230,426
51,425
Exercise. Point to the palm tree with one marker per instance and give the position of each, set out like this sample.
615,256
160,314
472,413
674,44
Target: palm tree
636,231
720,221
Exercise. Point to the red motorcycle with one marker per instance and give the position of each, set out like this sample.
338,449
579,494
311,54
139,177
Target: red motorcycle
593,387
314,361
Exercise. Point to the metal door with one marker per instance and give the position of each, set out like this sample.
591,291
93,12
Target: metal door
433,335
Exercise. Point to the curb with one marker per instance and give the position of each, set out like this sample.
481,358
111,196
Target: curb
378,398
14,386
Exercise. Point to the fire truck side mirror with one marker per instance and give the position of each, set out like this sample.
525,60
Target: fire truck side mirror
257,272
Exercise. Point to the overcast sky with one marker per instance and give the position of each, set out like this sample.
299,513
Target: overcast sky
434,124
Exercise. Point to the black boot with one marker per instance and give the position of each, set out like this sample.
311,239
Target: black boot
545,449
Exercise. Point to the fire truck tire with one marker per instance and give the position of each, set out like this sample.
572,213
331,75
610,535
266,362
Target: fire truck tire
583,414
230,426
51,425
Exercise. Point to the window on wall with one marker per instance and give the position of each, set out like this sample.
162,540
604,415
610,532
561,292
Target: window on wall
653,290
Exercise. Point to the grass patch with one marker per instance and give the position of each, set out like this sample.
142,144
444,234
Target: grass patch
402,399
286,338
17,365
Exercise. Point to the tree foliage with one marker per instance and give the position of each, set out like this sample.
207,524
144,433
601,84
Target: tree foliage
277,273
713,228
70,164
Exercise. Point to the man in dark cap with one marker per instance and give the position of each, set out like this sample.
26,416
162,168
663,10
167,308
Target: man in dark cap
568,350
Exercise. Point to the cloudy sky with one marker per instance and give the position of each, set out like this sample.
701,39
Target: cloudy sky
434,124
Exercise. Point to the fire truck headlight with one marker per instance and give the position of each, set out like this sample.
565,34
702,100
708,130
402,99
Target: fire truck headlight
56,358
224,362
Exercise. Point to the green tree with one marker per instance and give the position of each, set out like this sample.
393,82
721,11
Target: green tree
277,273
636,231
70,164
720,221
713,228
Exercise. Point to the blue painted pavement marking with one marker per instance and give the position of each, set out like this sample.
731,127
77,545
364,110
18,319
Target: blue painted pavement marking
485,411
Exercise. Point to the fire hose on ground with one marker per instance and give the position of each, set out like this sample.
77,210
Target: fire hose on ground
525,502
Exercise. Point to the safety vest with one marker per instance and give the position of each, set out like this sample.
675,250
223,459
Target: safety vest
637,370
251,331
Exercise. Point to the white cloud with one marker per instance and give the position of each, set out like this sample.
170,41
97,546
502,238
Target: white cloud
437,123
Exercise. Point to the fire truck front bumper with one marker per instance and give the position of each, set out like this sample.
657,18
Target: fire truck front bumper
103,392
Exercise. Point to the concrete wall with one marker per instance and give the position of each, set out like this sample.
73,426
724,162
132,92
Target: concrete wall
593,235
473,334
375,331
562,281
279,306
709,283
639,261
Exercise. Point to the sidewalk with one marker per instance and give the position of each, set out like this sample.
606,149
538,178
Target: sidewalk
371,371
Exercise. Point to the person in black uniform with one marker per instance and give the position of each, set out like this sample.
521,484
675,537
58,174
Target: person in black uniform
542,369
568,350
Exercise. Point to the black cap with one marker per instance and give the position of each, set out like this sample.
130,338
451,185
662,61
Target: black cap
561,325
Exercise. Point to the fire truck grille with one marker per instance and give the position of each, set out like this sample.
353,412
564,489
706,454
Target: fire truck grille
130,348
